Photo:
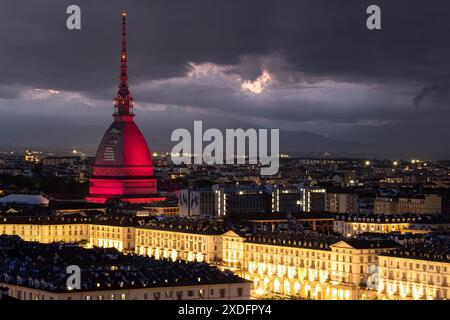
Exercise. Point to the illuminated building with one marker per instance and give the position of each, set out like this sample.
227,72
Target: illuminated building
286,198
162,209
420,204
113,232
123,168
32,156
341,202
39,272
200,242
304,267
296,265
415,273
315,199
350,225
108,232
239,200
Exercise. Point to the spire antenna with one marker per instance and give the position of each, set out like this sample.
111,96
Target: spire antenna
123,102
124,64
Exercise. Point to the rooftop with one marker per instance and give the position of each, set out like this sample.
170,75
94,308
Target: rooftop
433,248
293,239
25,199
43,266
371,244
186,225
394,218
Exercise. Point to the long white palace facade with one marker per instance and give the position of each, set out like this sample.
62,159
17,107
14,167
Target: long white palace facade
305,266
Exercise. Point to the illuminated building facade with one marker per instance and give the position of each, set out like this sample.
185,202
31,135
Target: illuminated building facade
32,156
352,225
110,232
286,198
342,202
160,209
315,199
414,274
170,244
304,266
420,204
46,230
239,200
123,168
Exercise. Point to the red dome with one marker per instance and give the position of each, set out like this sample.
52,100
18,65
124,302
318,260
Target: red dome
124,145
123,166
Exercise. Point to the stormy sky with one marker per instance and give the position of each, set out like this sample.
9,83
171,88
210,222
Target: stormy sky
308,67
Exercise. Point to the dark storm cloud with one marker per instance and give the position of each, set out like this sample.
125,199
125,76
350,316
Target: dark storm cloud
319,37
314,50
437,90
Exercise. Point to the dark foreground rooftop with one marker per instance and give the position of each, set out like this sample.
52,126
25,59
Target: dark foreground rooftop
43,266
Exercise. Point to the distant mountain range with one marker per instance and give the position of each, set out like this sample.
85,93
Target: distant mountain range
60,137
64,136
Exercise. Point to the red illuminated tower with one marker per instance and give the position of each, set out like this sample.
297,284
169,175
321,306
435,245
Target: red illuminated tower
123,168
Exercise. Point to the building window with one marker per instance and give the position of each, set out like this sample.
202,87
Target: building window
240,291
190,293
222,293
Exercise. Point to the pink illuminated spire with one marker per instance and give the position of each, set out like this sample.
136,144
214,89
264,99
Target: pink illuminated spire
123,101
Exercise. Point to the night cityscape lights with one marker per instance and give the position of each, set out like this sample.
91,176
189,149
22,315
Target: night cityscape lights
348,201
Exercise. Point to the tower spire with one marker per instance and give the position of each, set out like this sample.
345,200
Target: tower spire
123,102
123,64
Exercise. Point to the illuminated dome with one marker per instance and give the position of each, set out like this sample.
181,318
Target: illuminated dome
124,145
123,168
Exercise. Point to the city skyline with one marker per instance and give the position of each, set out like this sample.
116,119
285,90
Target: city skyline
311,69
255,152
